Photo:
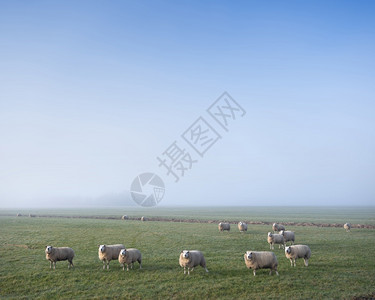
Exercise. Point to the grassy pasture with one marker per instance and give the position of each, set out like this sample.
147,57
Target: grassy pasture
329,214
342,264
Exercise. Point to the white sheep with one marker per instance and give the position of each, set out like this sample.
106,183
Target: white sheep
143,218
275,238
54,254
128,257
224,226
277,227
261,260
298,251
242,226
191,259
124,217
108,252
289,236
347,226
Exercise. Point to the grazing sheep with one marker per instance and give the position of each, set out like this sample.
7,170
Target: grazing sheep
143,219
277,227
347,226
124,217
288,236
242,226
54,254
32,216
298,251
108,252
224,226
19,215
275,238
261,260
128,257
191,259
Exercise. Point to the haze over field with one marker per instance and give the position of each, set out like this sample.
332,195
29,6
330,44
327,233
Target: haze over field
91,93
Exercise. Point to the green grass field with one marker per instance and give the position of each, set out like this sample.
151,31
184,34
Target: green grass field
342,265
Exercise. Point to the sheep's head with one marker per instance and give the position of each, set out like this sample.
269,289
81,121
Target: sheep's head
288,250
123,252
185,254
281,232
249,255
269,234
49,249
102,248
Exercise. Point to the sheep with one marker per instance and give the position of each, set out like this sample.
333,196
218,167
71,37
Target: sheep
191,259
224,226
274,238
124,217
54,254
143,218
288,236
108,252
128,257
347,226
298,251
32,216
19,215
261,260
242,226
277,227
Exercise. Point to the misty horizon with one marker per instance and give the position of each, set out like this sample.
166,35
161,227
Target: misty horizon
94,96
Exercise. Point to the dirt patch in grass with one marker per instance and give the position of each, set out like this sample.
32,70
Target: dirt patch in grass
16,245
367,297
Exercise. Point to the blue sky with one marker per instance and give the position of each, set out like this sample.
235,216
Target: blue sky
91,92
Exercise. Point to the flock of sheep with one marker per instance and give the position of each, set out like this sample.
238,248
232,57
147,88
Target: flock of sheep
266,259
189,259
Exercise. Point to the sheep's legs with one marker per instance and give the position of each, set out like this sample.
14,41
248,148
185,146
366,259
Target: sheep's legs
184,270
206,270
291,262
277,273
50,264
54,265
103,264
254,272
